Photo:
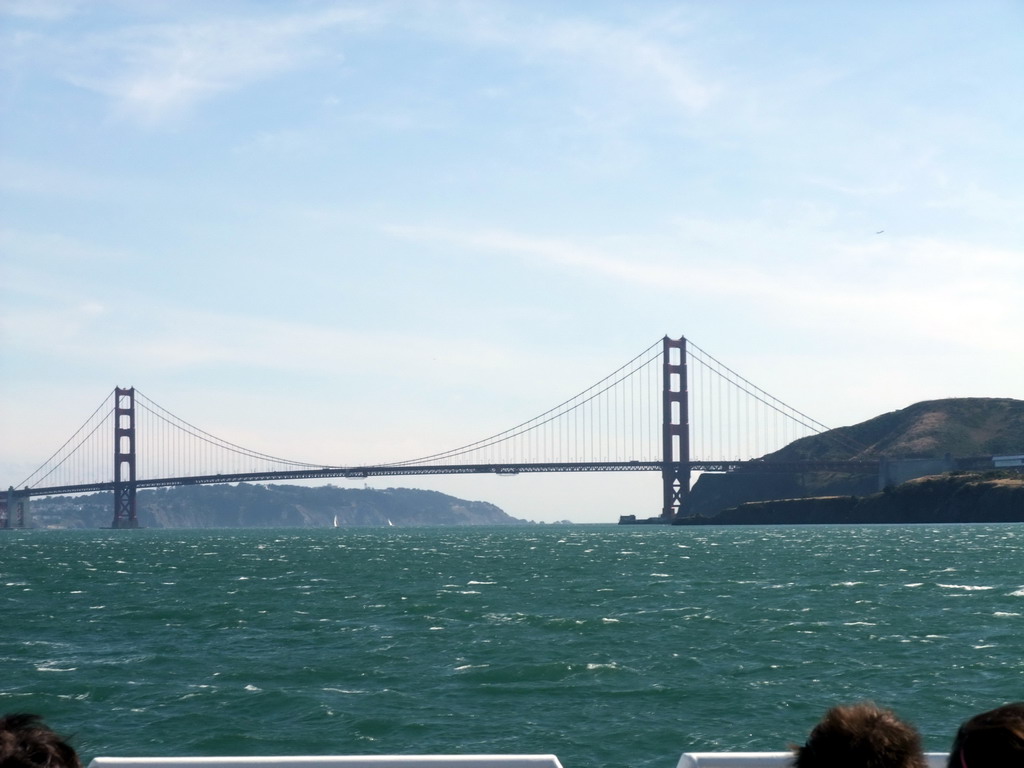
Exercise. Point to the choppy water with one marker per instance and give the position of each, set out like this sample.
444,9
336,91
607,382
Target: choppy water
605,645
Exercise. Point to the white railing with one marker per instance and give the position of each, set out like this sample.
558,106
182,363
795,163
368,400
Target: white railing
686,760
766,760
331,761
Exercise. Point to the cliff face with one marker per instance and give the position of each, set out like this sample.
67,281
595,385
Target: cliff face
991,497
716,492
259,506
960,427
957,498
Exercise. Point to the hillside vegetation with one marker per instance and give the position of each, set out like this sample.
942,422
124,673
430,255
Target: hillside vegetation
967,426
264,506
959,427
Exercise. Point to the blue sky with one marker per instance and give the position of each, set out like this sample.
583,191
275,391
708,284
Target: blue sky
353,232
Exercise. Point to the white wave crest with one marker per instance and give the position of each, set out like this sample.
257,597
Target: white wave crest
966,587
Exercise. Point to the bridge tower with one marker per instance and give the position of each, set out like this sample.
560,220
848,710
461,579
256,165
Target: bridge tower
124,459
675,429
12,509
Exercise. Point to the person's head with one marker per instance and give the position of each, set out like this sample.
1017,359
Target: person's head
26,742
993,739
861,736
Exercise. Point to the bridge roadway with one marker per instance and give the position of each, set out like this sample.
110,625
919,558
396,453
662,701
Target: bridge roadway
394,470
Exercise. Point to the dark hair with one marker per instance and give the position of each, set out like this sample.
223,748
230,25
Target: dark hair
993,739
861,735
26,742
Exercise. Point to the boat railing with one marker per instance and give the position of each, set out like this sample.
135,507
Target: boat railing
334,761
686,760
766,760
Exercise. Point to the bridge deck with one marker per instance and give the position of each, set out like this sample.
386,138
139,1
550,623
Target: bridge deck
385,470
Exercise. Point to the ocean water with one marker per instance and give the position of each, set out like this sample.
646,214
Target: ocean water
605,645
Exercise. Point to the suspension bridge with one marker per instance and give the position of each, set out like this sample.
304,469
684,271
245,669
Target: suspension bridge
673,409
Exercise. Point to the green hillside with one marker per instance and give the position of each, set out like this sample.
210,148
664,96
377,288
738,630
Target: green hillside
968,426
959,427
263,506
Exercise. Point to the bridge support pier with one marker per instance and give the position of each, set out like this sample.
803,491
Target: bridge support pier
124,459
675,429
12,509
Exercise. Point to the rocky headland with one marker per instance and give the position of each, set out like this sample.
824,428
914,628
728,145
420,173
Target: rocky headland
958,497
923,444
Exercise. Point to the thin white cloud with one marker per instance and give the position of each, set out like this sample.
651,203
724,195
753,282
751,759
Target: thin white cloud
634,56
157,72
25,178
644,55
40,10
161,71
983,204
665,271
921,288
